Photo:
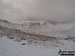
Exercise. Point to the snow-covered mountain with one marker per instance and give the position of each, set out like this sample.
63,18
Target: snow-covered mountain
37,38
36,28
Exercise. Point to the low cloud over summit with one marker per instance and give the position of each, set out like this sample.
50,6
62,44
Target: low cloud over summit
51,10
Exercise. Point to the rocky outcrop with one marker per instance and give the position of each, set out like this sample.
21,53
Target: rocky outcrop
18,34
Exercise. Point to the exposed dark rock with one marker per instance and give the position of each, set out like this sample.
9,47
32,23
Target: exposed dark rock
23,39
35,42
23,43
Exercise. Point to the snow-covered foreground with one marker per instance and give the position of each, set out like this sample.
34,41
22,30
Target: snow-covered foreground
10,47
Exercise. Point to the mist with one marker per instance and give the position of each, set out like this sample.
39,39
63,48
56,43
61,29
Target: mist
60,11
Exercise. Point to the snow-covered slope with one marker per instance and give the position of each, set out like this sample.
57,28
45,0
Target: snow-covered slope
38,38
41,28
11,48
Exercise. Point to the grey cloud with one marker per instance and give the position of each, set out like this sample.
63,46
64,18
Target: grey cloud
52,10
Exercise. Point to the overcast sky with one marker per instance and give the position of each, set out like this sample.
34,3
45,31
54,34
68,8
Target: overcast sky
51,10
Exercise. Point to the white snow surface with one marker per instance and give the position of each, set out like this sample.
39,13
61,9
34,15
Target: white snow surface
12,48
